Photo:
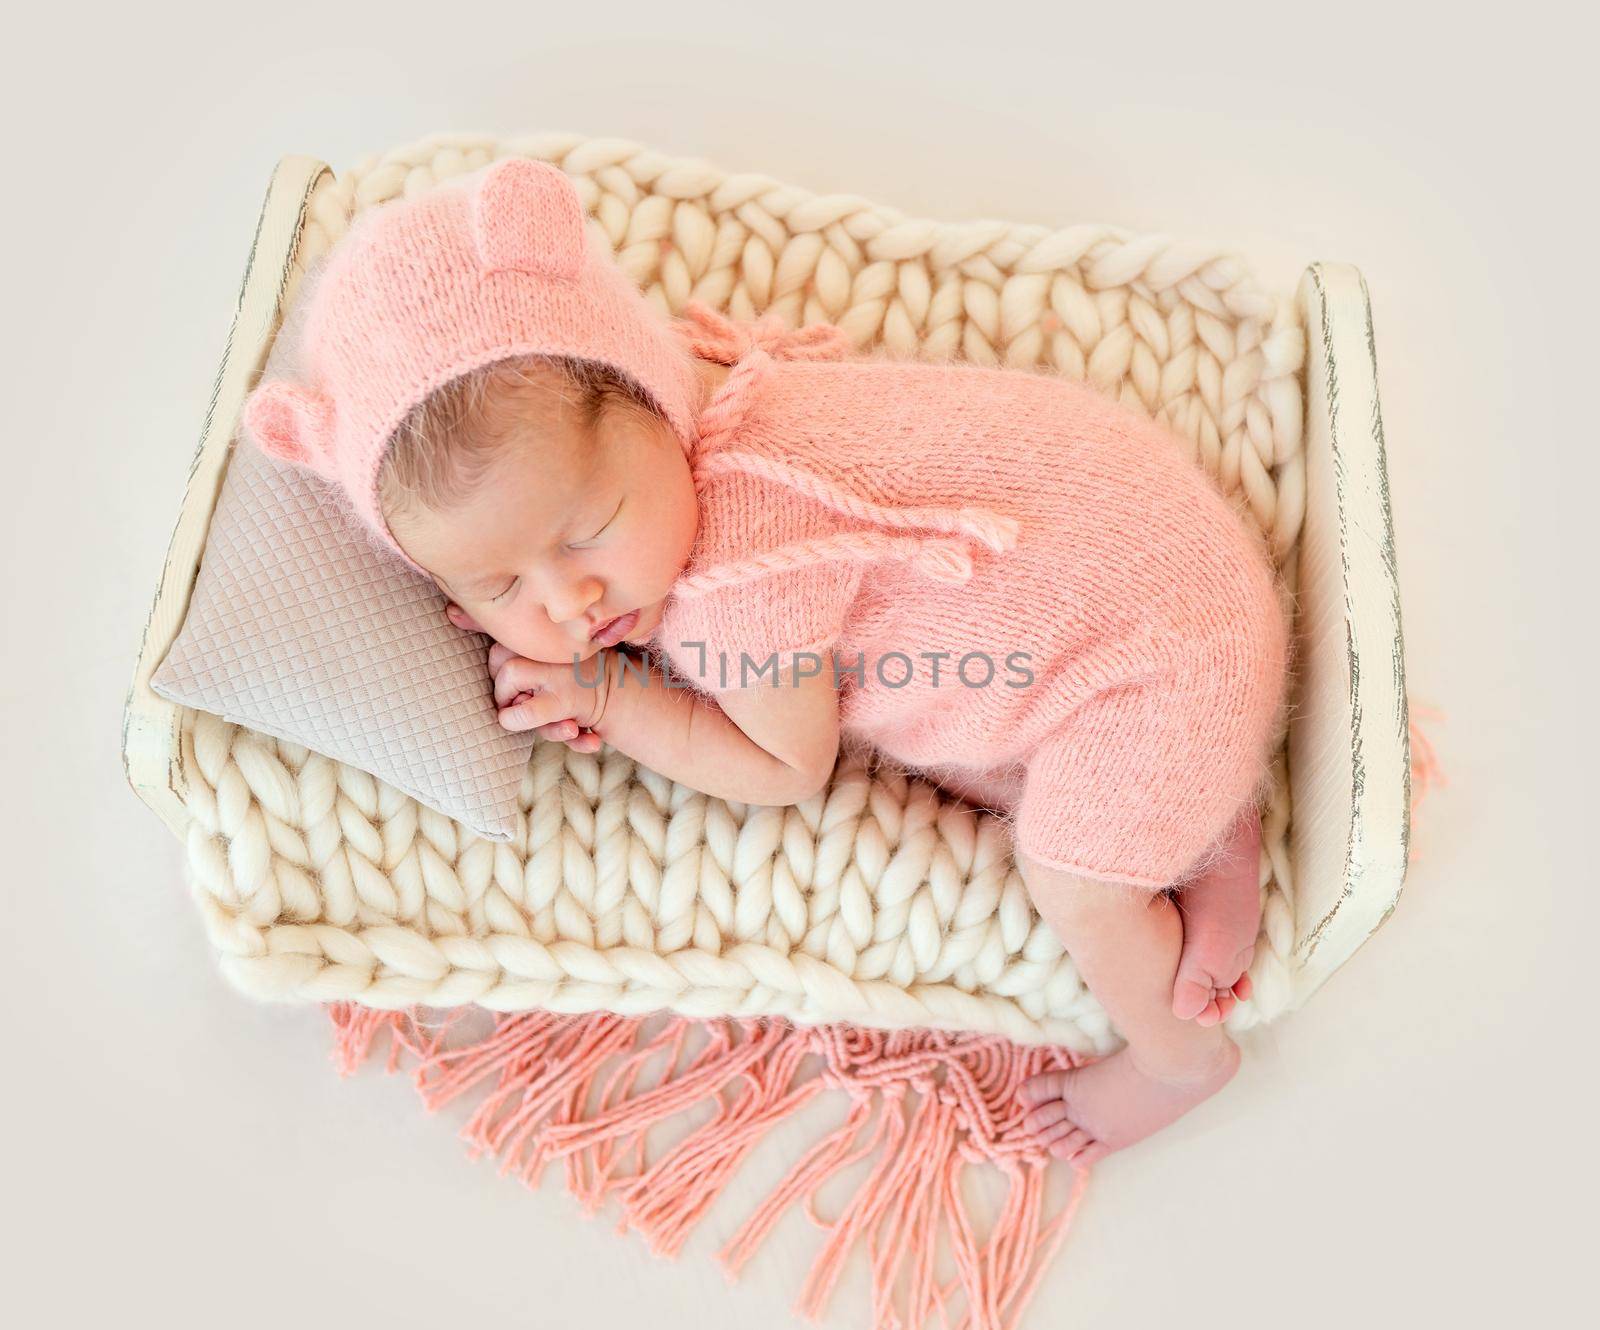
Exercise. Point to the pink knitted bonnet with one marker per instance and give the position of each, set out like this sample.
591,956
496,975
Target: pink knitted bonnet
496,263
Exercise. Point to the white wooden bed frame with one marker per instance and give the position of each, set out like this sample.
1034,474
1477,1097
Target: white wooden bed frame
1349,750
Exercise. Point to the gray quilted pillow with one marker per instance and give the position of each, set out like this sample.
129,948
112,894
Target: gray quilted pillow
299,627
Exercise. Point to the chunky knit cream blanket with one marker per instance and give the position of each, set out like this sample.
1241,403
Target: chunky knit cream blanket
882,902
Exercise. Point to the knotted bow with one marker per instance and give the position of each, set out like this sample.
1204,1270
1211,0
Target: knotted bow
751,348
714,336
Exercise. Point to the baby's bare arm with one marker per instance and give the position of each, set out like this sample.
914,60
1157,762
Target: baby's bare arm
767,744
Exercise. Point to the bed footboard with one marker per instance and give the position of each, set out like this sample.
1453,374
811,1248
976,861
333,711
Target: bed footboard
1349,748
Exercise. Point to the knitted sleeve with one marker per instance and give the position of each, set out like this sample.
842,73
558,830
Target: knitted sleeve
759,593
756,632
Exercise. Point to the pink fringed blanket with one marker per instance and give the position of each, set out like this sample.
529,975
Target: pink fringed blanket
924,1103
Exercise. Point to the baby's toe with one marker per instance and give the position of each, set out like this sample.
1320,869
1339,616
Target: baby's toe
1090,1155
1046,1115
1068,1143
1046,1085
1190,994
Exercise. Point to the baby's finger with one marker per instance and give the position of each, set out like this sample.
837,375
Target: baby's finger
518,674
499,654
533,712
572,734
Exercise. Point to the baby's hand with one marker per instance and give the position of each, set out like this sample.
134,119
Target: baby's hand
554,701
566,729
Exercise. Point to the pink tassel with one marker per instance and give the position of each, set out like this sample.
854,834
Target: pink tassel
355,1028
537,1072
824,1160
591,1190
551,1076
666,1202
1426,774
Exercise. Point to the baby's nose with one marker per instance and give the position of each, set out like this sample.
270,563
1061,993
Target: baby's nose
570,608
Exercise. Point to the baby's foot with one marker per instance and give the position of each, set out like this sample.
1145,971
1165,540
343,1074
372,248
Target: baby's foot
1083,1114
1221,913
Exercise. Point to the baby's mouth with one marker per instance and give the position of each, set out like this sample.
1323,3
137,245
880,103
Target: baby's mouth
614,630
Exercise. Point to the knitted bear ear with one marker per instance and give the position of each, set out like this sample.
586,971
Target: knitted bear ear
292,423
527,216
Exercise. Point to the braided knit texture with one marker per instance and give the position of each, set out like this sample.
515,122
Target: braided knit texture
882,902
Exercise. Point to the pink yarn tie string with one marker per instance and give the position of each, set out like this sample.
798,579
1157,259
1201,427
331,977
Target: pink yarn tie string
713,336
941,558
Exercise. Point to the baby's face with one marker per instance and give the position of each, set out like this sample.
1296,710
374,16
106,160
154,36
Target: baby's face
568,529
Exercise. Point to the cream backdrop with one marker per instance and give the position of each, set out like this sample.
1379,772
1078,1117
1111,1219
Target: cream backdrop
1415,1143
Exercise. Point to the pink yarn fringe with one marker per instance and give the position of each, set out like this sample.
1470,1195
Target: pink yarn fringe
1426,773
536,1072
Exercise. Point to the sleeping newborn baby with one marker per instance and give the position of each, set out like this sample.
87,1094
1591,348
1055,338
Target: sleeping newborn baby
728,550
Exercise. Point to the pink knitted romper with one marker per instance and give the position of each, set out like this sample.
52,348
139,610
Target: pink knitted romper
869,507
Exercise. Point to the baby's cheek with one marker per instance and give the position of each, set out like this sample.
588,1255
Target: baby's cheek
538,642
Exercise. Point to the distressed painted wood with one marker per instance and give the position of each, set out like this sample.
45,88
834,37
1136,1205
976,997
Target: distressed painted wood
150,745
1349,746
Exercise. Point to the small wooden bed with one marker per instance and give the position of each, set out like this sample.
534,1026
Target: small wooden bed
912,915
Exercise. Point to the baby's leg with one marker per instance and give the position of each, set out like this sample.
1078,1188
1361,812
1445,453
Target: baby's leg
1220,901
997,791
1125,942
